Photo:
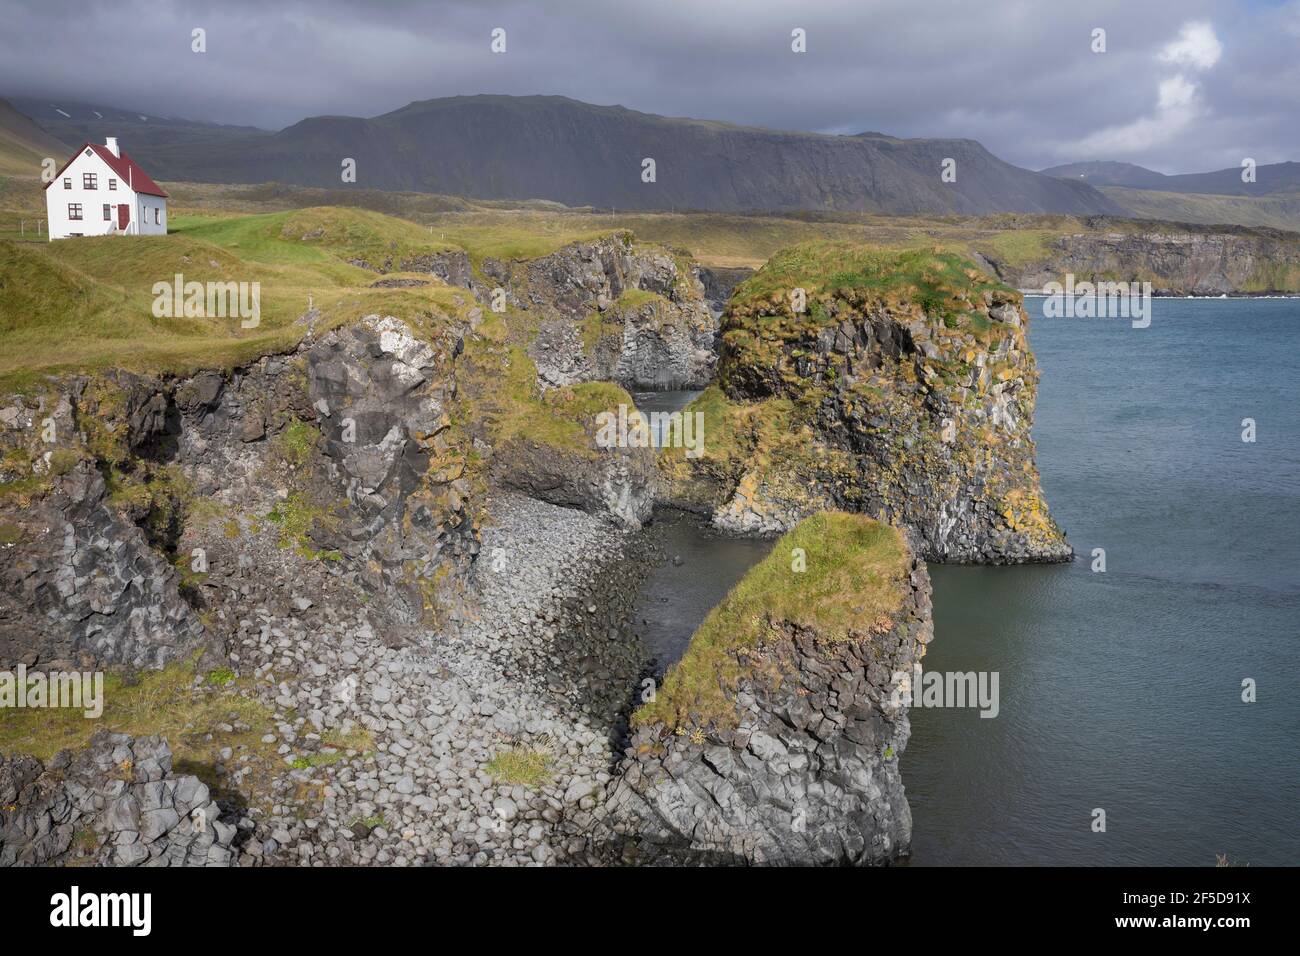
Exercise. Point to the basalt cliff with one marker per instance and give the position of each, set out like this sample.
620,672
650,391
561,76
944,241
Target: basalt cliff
1176,258
896,384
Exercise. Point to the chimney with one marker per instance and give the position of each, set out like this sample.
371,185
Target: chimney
111,143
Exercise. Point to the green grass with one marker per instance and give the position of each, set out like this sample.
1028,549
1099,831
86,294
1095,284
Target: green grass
322,759
88,304
944,284
316,236
515,236
635,298
162,702
295,444
509,404
220,677
522,766
294,515
855,579
1019,247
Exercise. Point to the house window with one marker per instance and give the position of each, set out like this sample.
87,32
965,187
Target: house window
112,184
67,182
157,217
89,180
108,212
74,210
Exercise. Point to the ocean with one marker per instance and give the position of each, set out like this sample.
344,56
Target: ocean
1122,691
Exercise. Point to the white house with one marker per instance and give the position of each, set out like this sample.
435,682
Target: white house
102,191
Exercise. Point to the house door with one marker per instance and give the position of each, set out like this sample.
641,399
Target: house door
123,216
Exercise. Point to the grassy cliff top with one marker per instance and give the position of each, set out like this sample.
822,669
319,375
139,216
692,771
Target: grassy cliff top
88,304
854,580
314,234
944,284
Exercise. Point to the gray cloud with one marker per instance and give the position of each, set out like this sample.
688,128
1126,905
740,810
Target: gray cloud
1018,75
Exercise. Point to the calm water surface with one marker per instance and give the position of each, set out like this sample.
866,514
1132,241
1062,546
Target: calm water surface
1123,690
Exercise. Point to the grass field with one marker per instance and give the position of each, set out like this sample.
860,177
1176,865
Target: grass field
88,304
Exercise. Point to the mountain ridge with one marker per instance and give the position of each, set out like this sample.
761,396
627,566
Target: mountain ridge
491,146
1270,178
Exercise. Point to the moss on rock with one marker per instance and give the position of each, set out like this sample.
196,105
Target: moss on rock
895,383
840,575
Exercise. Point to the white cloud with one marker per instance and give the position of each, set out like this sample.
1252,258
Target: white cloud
1177,108
1177,94
1196,47
1178,100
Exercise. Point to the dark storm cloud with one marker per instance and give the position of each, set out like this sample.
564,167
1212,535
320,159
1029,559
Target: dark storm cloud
1019,76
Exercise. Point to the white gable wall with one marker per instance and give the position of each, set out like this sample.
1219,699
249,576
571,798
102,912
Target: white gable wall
153,215
70,188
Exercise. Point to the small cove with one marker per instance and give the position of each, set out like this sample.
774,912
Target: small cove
695,565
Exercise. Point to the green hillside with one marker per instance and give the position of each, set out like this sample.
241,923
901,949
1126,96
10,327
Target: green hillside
24,145
89,303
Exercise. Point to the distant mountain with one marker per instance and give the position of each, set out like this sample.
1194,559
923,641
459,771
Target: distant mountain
24,145
75,123
1108,174
550,147
1271,178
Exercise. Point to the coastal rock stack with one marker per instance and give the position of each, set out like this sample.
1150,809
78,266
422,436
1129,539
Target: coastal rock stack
777,739
896,384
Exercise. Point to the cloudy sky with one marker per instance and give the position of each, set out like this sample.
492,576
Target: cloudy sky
1183,85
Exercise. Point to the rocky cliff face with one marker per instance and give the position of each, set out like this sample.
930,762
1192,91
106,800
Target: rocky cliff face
331,464
116,803
1176,259
614,311
80,581
903,389
138,511
798,762
720,282
619,483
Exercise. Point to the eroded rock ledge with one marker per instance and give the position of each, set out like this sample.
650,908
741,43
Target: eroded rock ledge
777,738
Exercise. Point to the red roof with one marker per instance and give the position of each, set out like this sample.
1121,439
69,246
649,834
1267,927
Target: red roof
127,169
